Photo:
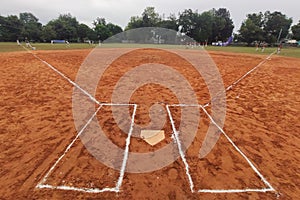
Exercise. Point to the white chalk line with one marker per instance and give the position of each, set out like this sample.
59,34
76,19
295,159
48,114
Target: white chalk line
119,183
240,79
87,190
42,184
64,76
176,136
67,149
69,80
76,85
122,171
182,155
235,190
238,150
118,104
270,188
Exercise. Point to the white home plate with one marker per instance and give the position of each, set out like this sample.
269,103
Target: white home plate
153,137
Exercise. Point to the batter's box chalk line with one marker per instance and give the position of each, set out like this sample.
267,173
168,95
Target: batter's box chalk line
43,185
268,188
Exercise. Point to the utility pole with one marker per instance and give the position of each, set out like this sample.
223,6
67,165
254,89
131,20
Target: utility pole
279,35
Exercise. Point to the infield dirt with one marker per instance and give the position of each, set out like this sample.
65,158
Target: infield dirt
36,125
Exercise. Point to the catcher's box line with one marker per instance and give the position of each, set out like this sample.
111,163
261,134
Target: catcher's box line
240,79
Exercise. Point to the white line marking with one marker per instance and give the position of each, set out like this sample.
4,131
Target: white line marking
88,190
182,155
122,171
240,79
67,149
183,105
119,183
65,77
41,185
233,144
118,104
68,79
249,72
235,190
245,157
175,134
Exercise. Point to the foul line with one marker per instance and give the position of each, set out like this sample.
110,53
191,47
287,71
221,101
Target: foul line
64,76
240,79
182,155
244,156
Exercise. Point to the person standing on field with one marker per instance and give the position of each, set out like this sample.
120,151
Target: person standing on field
279,48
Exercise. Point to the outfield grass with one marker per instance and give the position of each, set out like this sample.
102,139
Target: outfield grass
287,51
12,46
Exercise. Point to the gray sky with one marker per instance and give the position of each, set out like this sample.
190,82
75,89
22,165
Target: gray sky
120,11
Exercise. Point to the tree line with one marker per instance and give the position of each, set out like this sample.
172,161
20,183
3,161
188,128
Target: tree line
65,27
209,26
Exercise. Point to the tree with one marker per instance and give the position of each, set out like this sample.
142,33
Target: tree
31,27
252,28
187,22
103,30
48,33
150,17
274,23
10,28
296,31
265,27
114,29
208,26
135,22
84,32
169,23
65,27
223,26
205,23
99,20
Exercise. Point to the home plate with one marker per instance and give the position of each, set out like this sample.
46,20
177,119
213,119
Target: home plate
153,137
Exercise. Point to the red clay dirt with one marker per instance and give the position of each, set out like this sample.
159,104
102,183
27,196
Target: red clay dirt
36,126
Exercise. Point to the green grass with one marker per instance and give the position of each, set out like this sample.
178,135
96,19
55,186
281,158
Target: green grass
12,46
9,47
286,51
136,45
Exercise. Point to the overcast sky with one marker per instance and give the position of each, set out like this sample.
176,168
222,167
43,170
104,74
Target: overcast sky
120,11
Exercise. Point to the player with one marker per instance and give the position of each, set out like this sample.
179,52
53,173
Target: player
279,48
